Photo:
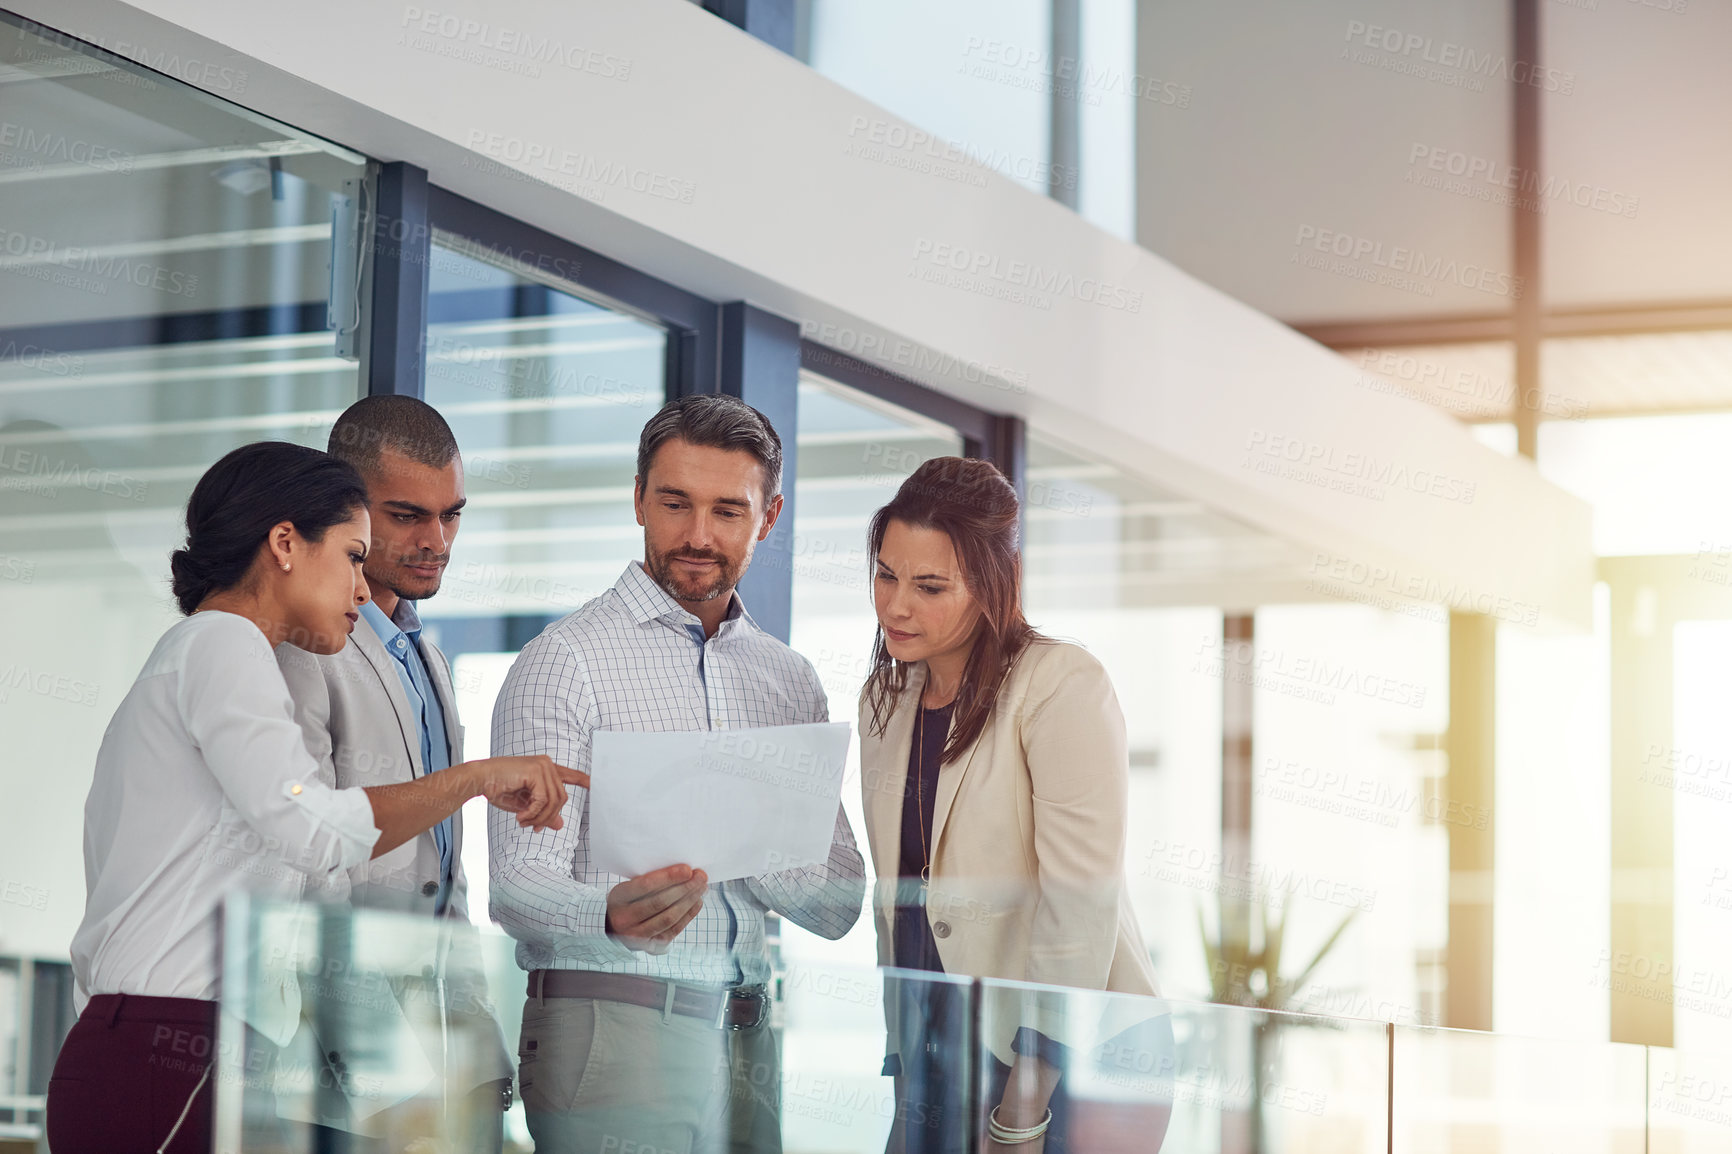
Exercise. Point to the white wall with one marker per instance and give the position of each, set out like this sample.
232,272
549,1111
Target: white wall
1295,123
1309,114
774,202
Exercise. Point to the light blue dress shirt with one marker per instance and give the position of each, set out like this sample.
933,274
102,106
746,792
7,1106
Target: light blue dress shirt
401,634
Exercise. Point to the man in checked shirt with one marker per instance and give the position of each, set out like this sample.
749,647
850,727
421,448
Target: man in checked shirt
647,1025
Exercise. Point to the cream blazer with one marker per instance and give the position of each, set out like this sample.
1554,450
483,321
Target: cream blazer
1028,850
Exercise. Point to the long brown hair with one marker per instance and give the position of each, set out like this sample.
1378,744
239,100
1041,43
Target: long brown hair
973,504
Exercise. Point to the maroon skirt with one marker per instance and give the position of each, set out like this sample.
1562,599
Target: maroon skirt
135,1075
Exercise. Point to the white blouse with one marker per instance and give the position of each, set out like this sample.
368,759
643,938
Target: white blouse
203,788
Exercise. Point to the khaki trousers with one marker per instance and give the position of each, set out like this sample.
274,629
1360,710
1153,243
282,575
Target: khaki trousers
601,1077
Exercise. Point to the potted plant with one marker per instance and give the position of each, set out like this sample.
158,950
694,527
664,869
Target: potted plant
1242,973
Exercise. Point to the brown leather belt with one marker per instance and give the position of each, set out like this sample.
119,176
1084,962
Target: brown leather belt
734,1008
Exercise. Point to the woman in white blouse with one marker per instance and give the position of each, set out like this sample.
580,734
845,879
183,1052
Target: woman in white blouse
203,788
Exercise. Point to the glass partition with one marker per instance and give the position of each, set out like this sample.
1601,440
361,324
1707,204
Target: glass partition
1689,1102
976,75
836,1096
1137,574
1144,1074
855,450
1462,1092
546,393
340,1022
176,279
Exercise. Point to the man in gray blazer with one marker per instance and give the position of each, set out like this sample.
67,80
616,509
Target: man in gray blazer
383,710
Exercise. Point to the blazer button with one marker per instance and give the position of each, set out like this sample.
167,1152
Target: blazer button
430,889
942,929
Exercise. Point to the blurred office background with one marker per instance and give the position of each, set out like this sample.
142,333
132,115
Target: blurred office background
1368,419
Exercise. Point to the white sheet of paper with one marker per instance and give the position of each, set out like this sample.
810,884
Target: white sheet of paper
734,803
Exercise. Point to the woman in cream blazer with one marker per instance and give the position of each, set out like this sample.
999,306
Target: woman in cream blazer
1002,836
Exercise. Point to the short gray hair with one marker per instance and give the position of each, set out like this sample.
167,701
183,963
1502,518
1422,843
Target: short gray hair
717,421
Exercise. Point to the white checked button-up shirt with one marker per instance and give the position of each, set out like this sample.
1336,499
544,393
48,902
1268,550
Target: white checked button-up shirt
633,659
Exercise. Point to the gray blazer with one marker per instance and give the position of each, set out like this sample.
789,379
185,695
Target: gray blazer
356,722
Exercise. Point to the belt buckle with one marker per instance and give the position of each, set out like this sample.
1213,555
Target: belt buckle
759,996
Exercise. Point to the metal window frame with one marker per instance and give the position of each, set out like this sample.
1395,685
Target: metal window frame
692,322
758,361
996,437
394,327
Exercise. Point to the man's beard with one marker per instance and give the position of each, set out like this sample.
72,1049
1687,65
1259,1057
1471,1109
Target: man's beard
683,587
398,583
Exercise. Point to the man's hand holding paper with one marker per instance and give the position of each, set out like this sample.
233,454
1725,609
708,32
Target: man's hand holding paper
730,803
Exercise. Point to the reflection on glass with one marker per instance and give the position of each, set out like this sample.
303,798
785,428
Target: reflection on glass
977,75
854,452
343,1024
329,1019
165,295
835,1096
1134,573
1461,1092
546,394
1689,1101
1143,1074
1349,708
1695,771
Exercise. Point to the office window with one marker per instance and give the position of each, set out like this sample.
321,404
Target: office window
1128,571
546,393
167,263
164,290
855,450
1657,483
977,75
1109,98
1553,817
1349,802
1142,576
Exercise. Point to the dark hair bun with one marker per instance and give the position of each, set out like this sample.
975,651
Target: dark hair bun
190,582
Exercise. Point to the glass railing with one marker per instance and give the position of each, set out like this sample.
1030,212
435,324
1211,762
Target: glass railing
1466,1091
357,1029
